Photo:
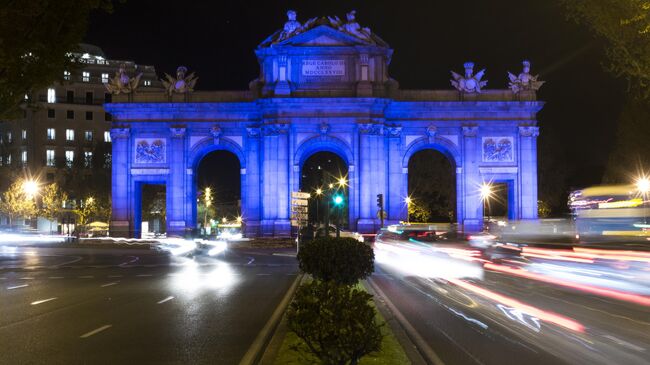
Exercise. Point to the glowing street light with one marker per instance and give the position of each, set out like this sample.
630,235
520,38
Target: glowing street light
30,187
239,219
342,182
643,185
319,191
331,186
408,201
486,193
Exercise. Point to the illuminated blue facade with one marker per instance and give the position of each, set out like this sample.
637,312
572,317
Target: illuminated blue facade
322,90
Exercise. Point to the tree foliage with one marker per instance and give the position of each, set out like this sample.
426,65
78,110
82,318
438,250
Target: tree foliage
336,322
625,25
52,200
36,37
343,260
86,210
15,202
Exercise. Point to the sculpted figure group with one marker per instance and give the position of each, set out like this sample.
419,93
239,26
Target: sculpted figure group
473,83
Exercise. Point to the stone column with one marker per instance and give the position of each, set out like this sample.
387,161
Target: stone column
121,218
251,205
275,181
472,204
393,193
372,179
528,171
178,194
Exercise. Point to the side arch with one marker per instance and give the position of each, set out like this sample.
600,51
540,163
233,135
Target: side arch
207,145
323,144
442,145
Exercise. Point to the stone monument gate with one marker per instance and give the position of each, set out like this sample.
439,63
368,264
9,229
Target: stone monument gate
324,86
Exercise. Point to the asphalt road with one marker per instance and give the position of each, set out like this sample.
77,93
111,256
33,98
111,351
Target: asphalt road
119,306
562,313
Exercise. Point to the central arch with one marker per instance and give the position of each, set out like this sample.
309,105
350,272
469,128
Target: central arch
447,149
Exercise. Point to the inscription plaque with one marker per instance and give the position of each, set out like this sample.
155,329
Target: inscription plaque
323,68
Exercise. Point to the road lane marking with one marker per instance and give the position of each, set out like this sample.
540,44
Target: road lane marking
134,259
144,275
109,284
76,259
55,277
115,276
26,278
263,274
17,287
86,277
96,331
42,301
165,300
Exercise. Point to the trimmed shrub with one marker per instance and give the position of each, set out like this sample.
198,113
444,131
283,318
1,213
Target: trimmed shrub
343,260
335,321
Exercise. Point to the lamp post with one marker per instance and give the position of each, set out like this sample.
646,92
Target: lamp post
408,201
338,201
319,192
486,193
643,186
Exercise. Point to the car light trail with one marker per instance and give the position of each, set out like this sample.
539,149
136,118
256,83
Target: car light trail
510,302
615,294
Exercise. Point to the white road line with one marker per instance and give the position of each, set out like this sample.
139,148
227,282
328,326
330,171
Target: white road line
42,301
114,276
26,278
109,284
86,277
144,275
134,259
96,331
263,274
55,277
165,300
17,287
3,278
76,259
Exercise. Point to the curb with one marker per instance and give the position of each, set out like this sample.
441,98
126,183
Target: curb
261,342
416,348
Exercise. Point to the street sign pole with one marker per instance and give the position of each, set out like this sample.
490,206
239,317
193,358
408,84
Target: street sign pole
299,213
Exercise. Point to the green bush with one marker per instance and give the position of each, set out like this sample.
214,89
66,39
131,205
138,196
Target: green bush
335,321
343,260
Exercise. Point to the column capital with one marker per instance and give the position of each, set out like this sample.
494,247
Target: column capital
394,131
275,129
470,130
528,131
177,132
216,133
120,133
371,128
253,132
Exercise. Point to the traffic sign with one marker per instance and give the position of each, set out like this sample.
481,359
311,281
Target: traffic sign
299,195
299,202
303,216
299,208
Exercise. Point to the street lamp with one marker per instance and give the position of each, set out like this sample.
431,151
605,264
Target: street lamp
486,191
30,187
338,201
319,192
643,186
342,182
408,201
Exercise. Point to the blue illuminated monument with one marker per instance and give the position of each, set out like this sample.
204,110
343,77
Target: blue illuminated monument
324,86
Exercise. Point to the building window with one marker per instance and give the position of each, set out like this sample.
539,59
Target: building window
69,134
9,159
89,97
88,159
23,157
51,95
89,115
69,158
88,136
51,113
85,76
147,82
66,75
104,78
108,97
10,137
49,158
51,134
69,96
108,160
23,134
108,117
107,136
70,114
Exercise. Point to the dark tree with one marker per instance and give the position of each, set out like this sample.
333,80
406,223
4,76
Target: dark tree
36,38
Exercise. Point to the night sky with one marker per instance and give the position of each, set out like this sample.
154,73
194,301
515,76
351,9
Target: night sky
217,39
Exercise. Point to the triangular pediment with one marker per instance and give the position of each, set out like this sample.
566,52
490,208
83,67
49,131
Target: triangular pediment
323,35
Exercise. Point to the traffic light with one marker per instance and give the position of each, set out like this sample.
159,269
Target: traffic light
380,201
338,199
